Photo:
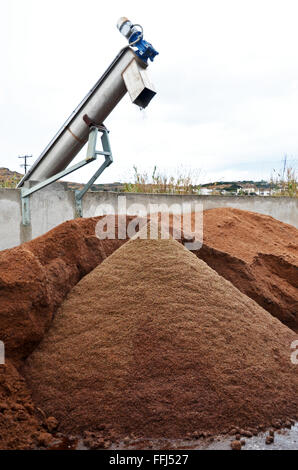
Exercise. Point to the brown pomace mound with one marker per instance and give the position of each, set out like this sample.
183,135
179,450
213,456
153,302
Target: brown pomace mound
19,427
258,254
36,276
154,342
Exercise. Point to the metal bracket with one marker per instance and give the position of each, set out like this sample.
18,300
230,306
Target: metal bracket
90,157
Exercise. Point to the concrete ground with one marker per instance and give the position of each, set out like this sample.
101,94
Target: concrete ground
284,439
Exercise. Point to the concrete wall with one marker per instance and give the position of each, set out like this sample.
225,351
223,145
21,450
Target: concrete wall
10,218
55,204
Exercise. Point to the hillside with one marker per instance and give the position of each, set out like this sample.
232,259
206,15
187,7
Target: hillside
9,179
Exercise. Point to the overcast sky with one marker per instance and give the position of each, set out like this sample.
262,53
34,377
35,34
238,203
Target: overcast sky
226,80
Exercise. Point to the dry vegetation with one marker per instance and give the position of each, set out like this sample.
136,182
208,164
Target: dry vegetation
285,181
184,181
282,183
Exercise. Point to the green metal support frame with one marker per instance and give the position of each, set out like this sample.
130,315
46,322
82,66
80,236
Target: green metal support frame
90,157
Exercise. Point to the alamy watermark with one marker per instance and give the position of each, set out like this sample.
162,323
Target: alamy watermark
179,221
2,353
294,355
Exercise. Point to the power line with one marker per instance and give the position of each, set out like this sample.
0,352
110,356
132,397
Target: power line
25,164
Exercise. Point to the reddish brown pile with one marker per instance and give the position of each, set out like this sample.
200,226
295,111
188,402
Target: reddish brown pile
34,279
36,276
258,254
19,426
154,342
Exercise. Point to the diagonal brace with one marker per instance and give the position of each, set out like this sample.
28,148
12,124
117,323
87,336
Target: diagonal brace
91,156
91,153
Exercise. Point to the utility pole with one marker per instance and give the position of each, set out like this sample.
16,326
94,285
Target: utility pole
25,164
284,167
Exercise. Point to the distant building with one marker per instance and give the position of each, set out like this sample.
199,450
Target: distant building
205,191
247,189
264,192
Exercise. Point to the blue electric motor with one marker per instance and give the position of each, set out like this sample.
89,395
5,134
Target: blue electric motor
134,35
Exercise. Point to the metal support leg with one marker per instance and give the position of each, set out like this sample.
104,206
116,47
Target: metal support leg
91,151
91,148
91,156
